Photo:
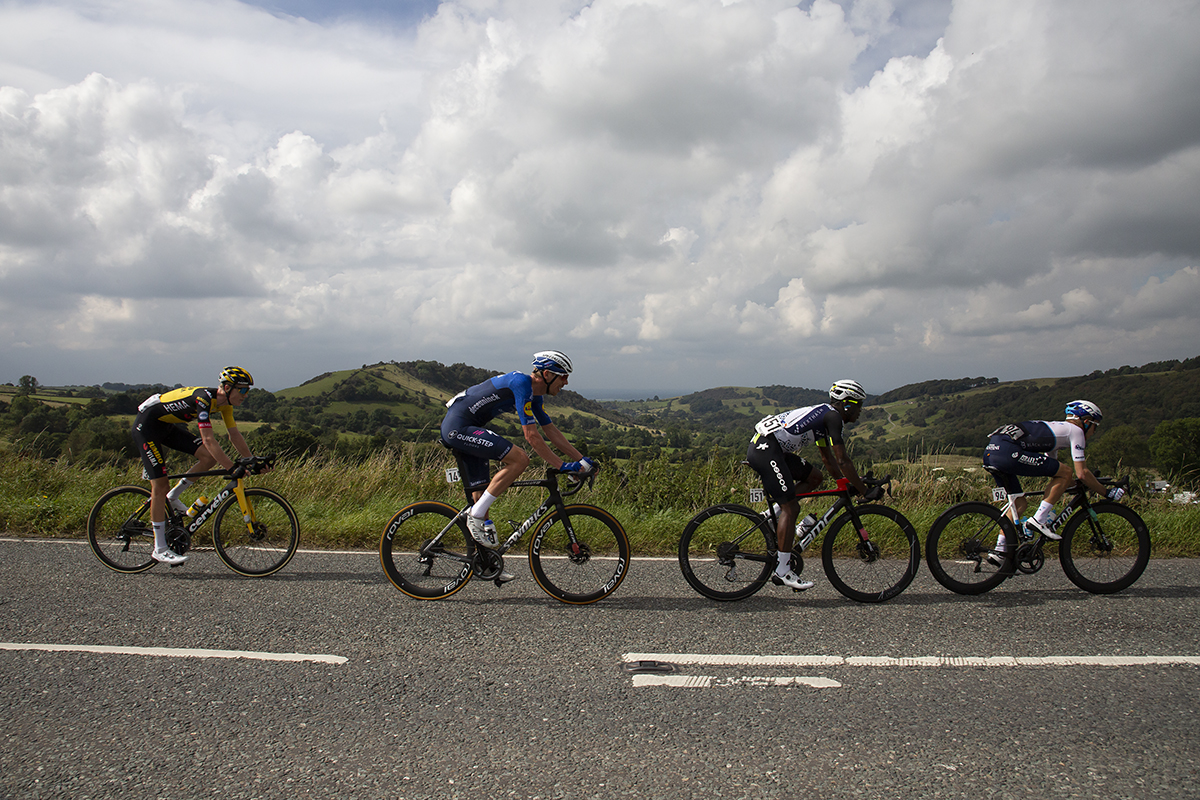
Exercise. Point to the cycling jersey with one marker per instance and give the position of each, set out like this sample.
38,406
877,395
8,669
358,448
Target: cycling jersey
1039,436
184,405
484,401
821,425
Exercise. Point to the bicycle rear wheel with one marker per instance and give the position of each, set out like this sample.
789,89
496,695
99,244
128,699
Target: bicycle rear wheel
959,543
879,568
263,546
119,529
1107,552
415,565
726,552
587,570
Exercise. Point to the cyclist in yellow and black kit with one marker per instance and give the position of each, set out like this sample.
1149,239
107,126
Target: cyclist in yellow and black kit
162,422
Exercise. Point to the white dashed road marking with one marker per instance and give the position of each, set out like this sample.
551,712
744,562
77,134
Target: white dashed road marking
175,652
657,678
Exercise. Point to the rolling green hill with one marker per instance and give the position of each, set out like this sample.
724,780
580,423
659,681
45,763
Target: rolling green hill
361,410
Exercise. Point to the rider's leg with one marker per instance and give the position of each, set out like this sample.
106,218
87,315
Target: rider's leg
514,463
1054,492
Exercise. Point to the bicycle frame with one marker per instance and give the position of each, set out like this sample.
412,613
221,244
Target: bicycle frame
1027,549
236,486
553,502
843,503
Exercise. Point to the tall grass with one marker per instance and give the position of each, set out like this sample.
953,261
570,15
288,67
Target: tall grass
346,504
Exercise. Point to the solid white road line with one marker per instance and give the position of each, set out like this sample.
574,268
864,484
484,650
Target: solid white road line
175,652
712,659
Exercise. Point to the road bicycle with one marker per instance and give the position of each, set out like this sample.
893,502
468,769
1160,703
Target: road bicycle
578,553
1105,546
871,552
255,531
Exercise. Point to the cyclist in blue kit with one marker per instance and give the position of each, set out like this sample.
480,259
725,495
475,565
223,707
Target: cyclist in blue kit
773,455
464,430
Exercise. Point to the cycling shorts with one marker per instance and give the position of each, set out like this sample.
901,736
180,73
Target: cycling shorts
475,447
780,471
151,435
1006,457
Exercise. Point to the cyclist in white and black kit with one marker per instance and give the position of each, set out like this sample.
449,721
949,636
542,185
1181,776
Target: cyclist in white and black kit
464,430
773,455
1030,449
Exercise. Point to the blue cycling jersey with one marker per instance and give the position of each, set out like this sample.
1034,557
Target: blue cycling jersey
499,395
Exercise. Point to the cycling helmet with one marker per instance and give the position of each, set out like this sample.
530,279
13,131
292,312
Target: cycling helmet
236,376
1084,409
847,390
552,360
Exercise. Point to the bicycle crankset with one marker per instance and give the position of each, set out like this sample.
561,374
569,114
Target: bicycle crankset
488,563
178,539
1030,558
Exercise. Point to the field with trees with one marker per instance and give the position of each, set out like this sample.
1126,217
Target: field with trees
359,443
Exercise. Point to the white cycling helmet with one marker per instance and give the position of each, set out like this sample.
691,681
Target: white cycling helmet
552,360
1084,409
847,390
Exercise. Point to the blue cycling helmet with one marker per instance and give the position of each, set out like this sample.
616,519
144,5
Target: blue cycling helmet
1084,409
553,361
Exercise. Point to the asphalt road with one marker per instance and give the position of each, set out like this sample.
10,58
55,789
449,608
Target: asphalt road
499,693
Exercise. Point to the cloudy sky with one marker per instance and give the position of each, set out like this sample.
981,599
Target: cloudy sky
678,193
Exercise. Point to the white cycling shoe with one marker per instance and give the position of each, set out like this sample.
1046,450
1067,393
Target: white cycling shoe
168,557
793,581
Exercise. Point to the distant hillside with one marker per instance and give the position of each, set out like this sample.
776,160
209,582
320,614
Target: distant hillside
356,411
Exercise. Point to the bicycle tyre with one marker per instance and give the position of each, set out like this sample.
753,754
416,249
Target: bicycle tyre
579,576
440,572
1105,567
714,574
119,530
876,572
957,546
269,546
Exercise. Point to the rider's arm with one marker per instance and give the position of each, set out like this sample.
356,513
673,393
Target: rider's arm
235,436
239,442
1089,480
210,442
533,435
560,442
1077,440
846,468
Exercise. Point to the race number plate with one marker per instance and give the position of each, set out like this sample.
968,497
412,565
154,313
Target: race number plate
999,495
756,495
452,475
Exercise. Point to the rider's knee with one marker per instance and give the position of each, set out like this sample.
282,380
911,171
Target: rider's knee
517,458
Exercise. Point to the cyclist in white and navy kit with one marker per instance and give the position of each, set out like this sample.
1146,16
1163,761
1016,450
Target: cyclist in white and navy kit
772,455
1030,449
464,430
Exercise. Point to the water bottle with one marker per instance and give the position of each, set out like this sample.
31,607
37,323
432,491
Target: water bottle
195,507
805,532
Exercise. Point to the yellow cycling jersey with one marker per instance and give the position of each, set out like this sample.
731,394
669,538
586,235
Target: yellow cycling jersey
184,405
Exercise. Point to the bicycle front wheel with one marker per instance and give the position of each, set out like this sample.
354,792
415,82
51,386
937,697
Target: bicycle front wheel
582,568
726,552
427,553
119,529
877,568
1107,552
266,543
960,542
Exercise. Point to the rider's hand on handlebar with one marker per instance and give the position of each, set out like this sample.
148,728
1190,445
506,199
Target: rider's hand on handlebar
581,467
1115,493
873,494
